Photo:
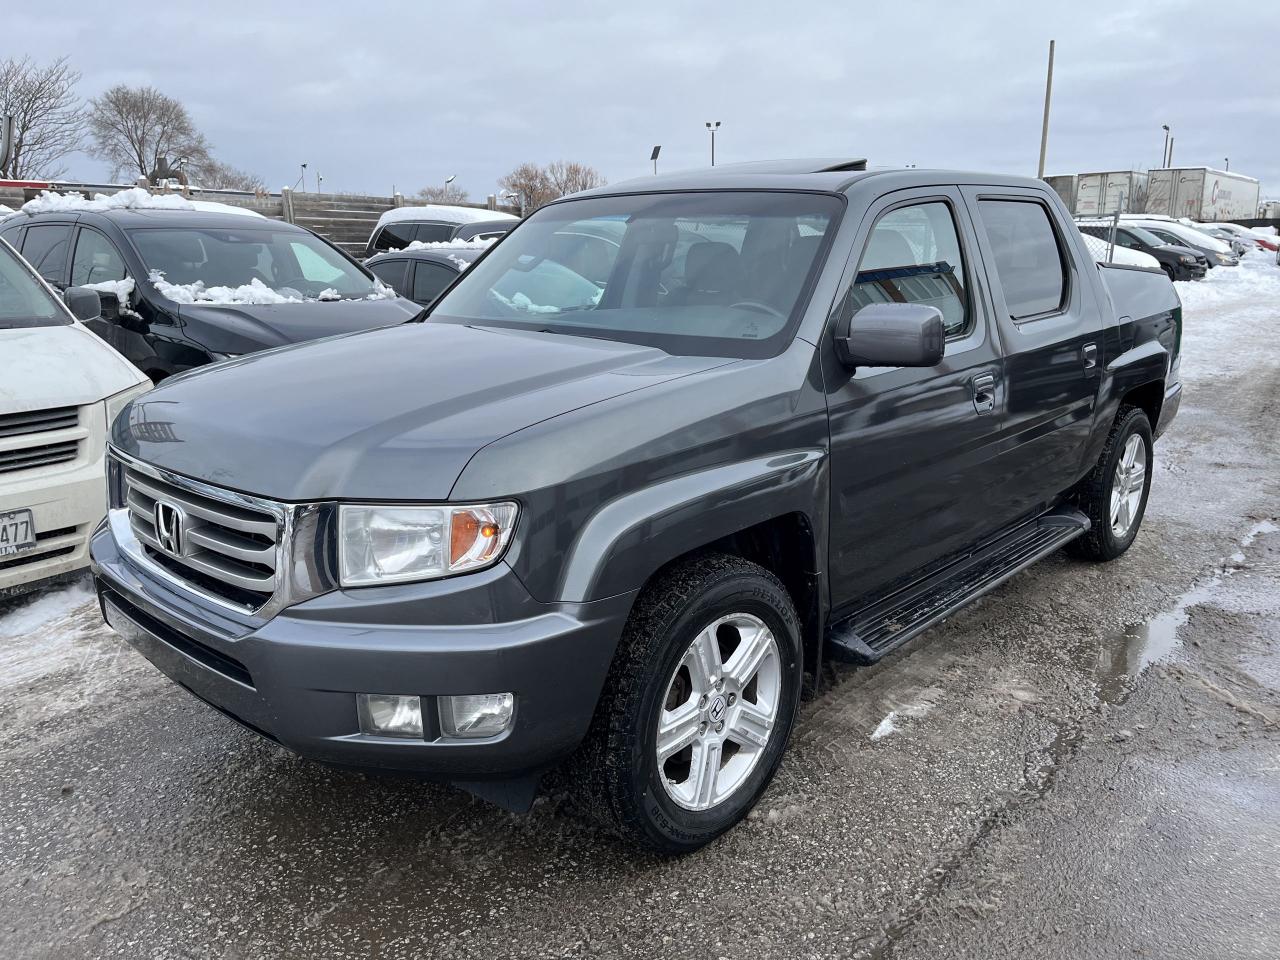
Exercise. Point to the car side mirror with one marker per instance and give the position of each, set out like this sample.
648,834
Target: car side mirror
892,335
84,304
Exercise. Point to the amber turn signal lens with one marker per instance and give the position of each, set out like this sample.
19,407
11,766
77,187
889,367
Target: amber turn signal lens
463,534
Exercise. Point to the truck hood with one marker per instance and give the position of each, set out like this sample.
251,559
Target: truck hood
59,366
390,414
243,327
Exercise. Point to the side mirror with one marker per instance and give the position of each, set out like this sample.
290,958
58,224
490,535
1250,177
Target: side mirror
84,304
110,305
892,335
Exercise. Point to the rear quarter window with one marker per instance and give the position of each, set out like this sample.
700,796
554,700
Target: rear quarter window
1028,257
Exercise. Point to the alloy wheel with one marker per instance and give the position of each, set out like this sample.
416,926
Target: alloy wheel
1127,485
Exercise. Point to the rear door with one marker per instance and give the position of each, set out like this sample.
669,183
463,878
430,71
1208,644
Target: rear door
913,450
429,281
1051,327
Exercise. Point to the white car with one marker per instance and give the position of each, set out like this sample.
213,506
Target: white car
60,387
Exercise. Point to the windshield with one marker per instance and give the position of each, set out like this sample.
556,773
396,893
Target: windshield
24,302
711,274
252,264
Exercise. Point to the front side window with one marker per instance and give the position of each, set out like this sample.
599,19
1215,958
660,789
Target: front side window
96,259
429,281
295,266
913,256
45,248
710,274
1028,260
24,301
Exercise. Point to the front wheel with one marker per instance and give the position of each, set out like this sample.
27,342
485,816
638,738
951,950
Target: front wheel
1114,495
699,706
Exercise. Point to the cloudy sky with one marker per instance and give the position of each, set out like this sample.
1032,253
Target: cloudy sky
380,94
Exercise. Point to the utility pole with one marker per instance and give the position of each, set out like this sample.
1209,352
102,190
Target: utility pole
1048,96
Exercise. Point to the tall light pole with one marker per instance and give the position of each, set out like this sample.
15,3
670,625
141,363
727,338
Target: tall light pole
713,127
654,157
1164,154
302,178
1048,95
1227,161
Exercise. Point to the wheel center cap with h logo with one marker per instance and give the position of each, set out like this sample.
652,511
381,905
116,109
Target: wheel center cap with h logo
717,710
170,522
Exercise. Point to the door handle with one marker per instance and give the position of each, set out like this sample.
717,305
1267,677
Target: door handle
984,392
1089,353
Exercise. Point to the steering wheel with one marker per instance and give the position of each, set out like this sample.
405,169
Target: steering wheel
759,307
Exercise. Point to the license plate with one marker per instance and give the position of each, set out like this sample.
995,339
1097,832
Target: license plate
17,532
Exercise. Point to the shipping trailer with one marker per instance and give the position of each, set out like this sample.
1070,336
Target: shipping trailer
1202,193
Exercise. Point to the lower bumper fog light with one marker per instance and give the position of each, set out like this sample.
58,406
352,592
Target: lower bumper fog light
474,716
388,715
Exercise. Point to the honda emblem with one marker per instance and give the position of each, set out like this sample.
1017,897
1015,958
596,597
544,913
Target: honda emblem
170,521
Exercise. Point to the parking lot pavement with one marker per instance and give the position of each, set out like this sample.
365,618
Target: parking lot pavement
1084,764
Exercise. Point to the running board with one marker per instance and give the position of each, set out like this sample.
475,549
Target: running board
866,636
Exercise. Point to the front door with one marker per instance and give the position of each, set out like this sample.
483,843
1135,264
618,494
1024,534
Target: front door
913,451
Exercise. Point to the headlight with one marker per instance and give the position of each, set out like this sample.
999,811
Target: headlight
390,544
117,403
1185,259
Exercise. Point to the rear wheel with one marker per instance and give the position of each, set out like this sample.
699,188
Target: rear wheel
1114,495
699,706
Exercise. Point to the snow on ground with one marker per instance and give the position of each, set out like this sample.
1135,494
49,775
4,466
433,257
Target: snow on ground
135,198
1230,302
40,634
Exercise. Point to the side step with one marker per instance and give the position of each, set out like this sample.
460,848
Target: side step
866,636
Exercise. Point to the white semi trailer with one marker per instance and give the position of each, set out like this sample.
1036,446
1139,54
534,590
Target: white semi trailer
1202,193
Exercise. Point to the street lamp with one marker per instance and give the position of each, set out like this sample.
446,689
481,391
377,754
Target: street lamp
713,127
1164,156
1227,161
654,157
302,178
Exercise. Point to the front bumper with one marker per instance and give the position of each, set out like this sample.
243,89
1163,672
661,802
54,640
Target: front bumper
294,678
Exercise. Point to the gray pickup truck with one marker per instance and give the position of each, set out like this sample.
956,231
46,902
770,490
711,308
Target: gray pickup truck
661,450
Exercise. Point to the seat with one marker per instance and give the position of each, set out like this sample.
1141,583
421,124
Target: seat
712,274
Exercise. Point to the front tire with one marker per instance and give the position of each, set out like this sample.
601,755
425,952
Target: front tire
1114,494
699,705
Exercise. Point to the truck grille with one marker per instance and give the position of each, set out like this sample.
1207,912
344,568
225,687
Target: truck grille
221,547
38,421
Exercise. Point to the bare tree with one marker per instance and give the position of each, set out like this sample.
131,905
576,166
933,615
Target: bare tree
135,128
449,193
215,175
537,186
570,177
48,120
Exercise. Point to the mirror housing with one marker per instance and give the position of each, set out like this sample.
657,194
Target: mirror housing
84,304
110,305
892,335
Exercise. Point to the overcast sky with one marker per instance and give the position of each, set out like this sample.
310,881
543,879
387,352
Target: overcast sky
376,94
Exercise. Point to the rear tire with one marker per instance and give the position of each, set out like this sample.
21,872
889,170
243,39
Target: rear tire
712,652
1114,494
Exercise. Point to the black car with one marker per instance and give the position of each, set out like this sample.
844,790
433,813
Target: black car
435,223
1214,258
422,275
1179,262
183,288
812,411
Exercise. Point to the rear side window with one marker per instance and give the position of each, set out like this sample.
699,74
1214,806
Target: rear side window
434,232
913,256
45,248
1028,258
394,236
392,273
96,259
429,280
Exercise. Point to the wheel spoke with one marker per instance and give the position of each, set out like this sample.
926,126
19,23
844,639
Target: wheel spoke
678,728
703,771
746,660
750,726
1137,479
1115,506
703,660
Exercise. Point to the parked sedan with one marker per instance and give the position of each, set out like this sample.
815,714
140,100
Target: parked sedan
1179,262
182,287
1218,253
421,275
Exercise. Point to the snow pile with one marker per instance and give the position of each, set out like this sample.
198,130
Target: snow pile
1102,253
213,206
445,213
1230,303
476,244
460,263
123,290
135,198
255,291
1257,278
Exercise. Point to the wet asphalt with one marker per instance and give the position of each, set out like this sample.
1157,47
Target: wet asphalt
1086,763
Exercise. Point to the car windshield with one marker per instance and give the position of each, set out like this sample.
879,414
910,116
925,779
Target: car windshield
24,301
711,274
1146,236
249,264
